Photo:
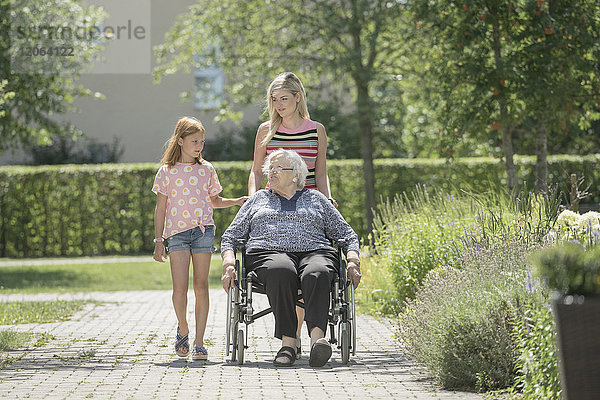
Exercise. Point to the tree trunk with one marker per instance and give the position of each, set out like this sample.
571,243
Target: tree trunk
511,172
507,148
541,164
363,105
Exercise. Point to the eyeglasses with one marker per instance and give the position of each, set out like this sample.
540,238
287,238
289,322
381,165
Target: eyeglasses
277,170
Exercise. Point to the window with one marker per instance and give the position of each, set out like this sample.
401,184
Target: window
208,88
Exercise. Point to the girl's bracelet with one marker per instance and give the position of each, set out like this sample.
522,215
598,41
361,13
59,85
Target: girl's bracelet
158,240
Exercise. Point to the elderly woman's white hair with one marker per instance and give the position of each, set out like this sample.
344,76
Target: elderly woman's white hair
295,160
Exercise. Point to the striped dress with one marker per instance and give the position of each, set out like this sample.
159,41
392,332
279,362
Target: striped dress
304,141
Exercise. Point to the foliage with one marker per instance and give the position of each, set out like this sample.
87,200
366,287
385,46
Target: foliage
492,69
232,144
570,269
29,312
105,277
459,324
537,361
64,150
37,88
254,40
421,231
416,234
76,210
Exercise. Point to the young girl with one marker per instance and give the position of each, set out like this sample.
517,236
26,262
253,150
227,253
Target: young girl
187,189
290,128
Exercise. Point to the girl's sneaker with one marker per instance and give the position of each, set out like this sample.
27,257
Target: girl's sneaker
199,353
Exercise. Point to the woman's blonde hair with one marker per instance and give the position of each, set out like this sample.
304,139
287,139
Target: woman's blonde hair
290,82
185,126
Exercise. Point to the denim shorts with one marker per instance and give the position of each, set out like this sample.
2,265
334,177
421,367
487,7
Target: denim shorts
193,240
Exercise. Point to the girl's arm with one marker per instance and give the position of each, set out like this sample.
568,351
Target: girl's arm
321,178
260,152
220,202
159,223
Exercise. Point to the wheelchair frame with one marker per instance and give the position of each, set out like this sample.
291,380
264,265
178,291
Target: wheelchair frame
341,315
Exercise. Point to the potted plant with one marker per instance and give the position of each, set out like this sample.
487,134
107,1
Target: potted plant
573,272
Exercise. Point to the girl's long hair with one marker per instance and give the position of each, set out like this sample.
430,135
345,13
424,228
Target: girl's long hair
290,82
185,126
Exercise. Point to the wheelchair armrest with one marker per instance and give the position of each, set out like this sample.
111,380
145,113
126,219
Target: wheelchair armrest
240,245
338,244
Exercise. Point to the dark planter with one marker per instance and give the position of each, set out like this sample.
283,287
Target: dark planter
578,336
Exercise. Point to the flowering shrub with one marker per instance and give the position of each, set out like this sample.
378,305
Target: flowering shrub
463,258
413,236
460,323
573,226
419,232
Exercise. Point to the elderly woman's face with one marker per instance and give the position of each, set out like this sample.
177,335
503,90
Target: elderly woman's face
281,173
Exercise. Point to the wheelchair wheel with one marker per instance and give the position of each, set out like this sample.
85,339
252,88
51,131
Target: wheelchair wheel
234,322
345,341
240,346
234,342
353,320
229,323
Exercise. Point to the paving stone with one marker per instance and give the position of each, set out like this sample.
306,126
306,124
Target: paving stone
122,348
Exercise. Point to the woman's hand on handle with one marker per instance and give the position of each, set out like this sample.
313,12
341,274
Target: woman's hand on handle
228,277
353,268
229,274
353,272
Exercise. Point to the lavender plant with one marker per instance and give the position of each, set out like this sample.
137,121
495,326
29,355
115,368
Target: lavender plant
418,232
460,323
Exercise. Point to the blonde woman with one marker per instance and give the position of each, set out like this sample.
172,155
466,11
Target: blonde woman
187,190
290,128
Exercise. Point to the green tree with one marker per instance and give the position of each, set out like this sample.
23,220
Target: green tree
39,87
502,66
341,45
560,57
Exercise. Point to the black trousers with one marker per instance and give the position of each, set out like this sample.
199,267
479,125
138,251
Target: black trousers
282,273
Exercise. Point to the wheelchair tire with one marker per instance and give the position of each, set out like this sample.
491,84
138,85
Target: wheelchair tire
234,343
228,323
353,321
345,341
240,346
235,315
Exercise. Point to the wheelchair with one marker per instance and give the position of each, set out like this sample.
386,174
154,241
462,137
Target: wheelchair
341,315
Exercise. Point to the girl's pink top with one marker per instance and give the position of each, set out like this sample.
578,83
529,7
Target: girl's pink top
188,188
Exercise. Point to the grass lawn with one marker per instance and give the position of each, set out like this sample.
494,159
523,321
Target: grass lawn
95,277
28,312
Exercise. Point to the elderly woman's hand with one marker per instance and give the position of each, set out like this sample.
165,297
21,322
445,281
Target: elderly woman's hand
228,277
353,272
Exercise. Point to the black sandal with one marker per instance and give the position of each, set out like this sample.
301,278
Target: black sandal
289,356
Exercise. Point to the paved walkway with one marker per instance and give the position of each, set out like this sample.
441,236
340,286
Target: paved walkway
122,348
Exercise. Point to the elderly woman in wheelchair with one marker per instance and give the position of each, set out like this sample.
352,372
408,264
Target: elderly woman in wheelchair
288,232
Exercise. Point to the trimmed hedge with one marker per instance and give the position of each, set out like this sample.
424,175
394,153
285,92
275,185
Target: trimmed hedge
77,210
